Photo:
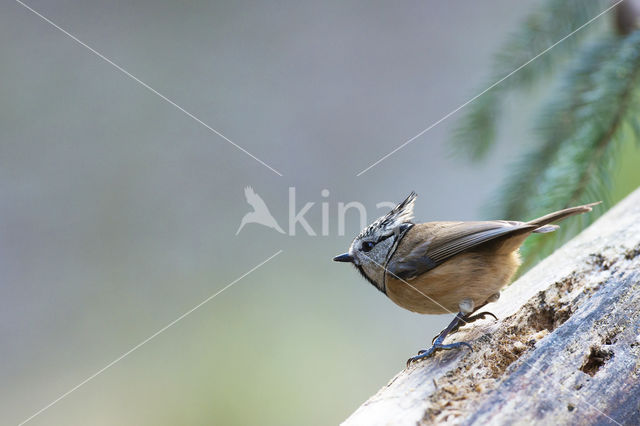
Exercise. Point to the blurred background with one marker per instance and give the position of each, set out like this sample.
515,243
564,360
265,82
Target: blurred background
118,213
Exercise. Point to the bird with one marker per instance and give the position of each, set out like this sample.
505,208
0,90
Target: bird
260,213
444,267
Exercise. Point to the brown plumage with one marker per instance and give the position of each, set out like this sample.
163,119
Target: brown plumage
474,261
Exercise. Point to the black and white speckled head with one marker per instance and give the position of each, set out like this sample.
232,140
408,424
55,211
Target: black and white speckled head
373,247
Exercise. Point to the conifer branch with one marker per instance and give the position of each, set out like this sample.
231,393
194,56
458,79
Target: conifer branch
553,20
581,168
556,123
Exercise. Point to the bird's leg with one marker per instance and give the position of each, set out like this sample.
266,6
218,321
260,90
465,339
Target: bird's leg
467,319
468,306
437,344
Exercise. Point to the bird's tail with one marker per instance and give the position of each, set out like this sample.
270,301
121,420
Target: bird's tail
544,221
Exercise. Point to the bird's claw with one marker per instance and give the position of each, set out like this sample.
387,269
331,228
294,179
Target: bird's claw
481,315
425,353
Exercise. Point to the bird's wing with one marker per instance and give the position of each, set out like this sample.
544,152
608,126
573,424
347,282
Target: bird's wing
254,199
440,241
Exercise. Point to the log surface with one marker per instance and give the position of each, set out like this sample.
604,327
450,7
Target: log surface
565,350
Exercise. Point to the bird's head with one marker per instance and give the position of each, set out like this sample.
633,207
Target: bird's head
372,248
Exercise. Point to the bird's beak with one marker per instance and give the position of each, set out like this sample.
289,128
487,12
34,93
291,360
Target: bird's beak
344,258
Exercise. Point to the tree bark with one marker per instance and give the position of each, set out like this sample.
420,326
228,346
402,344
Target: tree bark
565,350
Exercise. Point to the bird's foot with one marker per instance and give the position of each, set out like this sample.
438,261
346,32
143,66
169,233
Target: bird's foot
466,320
425,353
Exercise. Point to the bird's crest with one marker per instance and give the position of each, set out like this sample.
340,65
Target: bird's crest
387,224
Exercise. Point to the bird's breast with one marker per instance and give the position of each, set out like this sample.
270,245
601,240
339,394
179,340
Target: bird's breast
471,275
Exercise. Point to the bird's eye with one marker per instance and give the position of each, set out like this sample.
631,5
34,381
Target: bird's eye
367,246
